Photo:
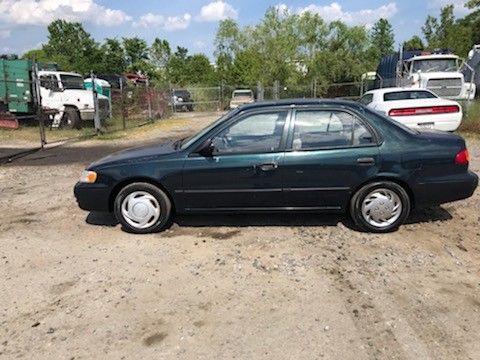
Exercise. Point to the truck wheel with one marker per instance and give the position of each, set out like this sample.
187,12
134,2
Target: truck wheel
71,119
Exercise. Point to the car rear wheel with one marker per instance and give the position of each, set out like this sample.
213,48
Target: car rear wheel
380,206
142,208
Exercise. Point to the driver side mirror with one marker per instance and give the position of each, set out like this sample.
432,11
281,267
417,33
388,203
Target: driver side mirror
206,149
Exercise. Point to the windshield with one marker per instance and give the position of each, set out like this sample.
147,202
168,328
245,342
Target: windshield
242,93
430,65
190,140
72,82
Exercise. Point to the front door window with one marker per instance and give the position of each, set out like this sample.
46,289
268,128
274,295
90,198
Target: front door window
258,133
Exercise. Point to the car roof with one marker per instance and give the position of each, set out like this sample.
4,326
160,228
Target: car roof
300,102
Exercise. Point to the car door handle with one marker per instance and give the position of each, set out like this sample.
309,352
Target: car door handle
366,161
267,167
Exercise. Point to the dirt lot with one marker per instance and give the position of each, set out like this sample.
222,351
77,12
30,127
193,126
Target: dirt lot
74,286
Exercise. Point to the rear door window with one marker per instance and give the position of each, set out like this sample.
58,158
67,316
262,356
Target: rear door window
319,129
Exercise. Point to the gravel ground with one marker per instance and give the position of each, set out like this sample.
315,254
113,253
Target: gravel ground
74,286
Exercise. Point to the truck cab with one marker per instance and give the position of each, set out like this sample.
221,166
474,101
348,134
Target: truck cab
439,73
65,92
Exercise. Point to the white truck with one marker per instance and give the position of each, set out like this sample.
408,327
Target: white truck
439,72
65,92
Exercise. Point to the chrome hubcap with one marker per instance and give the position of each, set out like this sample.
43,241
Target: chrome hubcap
381,208
140,209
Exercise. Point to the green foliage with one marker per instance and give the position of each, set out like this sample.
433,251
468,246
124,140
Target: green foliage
136,50
382,37
414,43
447,32
184,69
71,47
292,49
113,57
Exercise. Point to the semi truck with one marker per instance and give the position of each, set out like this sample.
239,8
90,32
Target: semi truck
439,71
62,93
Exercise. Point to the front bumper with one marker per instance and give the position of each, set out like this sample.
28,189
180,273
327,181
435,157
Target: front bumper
451,188
92,197
89,114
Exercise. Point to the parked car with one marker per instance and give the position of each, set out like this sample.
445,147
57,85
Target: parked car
288,155
240,97
136,79
116,81
181,100
416,108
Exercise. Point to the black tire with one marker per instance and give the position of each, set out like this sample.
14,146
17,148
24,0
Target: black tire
163,201
71,119
359,197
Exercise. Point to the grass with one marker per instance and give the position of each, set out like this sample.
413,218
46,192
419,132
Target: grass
114,130
471,118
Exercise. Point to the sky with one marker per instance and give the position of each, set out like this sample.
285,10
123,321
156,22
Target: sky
193,23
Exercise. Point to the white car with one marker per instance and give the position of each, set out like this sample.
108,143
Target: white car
415,108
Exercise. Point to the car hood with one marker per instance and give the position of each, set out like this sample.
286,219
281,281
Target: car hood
136,154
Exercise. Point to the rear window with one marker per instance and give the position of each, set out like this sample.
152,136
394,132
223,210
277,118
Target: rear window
408,95
366,99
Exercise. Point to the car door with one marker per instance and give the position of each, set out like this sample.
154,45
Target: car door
329,153
51,97
243,172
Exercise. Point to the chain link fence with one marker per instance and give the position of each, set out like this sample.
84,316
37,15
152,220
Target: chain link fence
60,106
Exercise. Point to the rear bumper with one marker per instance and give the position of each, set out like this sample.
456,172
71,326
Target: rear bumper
451,188
92,197
444,122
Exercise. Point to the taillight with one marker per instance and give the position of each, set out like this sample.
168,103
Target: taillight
462,158
426,110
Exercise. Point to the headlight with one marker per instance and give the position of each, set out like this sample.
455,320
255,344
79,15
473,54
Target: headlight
88,177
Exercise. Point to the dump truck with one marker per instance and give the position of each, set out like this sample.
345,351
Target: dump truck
63,94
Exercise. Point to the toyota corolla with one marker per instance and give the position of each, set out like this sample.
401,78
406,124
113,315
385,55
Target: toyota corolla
289,155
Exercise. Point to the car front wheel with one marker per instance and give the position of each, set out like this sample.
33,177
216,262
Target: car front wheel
380,206
142,208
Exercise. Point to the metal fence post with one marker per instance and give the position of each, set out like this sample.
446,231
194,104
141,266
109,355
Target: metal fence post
149,101
96,117
38,101
260,91
172,100
122,105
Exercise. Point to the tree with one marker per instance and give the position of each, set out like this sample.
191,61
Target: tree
136,50
113,57
228,42
38,55
199,70
471,4
71,47
177,67
448,33
160,53
414,43
382,37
